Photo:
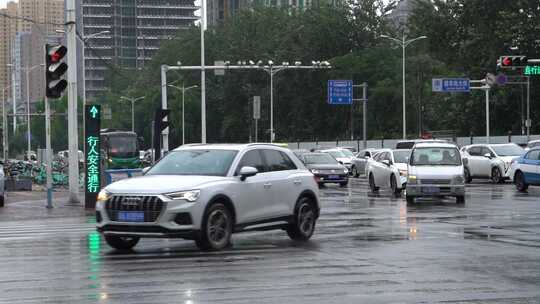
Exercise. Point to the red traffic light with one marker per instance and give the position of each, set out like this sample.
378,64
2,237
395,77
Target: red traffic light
513,61
56,53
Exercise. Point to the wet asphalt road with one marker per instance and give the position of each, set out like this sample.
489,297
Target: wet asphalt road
367,249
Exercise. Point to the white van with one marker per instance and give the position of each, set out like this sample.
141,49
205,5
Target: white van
436,170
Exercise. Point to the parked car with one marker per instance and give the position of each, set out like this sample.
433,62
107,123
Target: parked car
533,144
435,169
489,161
206,192
409,144
300,152
343,156
389,170
326,169
525,170
359,162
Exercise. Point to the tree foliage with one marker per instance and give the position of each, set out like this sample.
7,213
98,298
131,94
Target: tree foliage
465,39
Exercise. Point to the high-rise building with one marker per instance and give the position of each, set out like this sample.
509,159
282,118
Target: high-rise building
8,29
48,13
24,27
135,30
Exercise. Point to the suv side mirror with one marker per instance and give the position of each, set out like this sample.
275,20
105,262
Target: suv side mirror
386,162
247,171
488,155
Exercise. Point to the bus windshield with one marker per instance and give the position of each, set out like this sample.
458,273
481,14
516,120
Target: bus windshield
123,146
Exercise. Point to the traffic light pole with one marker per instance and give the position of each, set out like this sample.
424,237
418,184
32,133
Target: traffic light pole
486,89
364,99
270,69
73,136
48,152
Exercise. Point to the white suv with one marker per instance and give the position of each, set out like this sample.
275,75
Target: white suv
207,192
489,161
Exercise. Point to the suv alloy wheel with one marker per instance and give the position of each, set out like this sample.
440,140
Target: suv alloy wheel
305,217
216,229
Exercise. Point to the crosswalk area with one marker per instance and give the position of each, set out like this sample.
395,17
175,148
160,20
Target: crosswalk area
34,229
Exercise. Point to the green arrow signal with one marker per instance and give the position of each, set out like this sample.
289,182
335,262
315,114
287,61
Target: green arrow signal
94,111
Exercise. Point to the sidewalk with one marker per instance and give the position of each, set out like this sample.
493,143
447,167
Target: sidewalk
30,205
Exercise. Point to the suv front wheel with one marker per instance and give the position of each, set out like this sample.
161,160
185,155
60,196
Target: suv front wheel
303,226
216,228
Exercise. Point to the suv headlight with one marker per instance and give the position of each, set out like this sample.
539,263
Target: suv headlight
411,179
103,196
403,172
190,196
345,171
315,171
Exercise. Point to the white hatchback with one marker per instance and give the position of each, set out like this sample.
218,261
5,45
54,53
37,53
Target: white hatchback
207,192
436,170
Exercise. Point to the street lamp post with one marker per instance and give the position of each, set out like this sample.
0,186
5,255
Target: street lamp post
183,89
132,109
403,43
4,124
28,70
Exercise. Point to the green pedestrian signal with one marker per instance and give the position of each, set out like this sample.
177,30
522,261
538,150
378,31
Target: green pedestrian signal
94,111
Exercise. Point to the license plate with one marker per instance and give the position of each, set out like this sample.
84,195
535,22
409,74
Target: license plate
131,216
333,176
431,190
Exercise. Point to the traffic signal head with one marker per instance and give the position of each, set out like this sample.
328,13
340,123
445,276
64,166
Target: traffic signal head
160,115
513,61
55,69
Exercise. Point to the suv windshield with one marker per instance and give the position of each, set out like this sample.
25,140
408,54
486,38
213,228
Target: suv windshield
508,150
322,158
195,162
401,156
435,156
337,154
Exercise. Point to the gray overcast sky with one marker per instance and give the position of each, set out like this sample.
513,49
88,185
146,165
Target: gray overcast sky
3,3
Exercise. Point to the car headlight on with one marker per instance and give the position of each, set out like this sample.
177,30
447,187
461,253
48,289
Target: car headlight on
189,196
411,179
345,171
402,172
103,196
315,171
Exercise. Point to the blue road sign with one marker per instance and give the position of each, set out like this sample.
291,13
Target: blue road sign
340,92
451,85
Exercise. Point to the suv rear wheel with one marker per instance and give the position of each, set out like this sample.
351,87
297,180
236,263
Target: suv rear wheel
305,216
216,229
121,242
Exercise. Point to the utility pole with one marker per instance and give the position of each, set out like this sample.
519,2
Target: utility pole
132,100
165,133
183,89
73,136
